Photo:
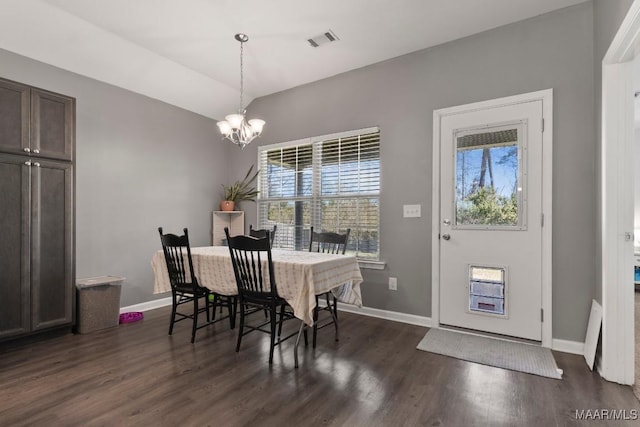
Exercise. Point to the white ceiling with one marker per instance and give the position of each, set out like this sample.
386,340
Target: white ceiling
183,52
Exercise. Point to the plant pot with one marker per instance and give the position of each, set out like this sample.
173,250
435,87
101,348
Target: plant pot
227,205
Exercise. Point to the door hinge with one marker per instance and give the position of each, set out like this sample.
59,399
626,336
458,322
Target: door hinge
543,125
542,314
542,219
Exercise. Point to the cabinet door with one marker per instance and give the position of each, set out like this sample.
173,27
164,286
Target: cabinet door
51,244
14,246
52,125
14,117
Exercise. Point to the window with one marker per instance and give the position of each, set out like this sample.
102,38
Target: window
331,183
490,177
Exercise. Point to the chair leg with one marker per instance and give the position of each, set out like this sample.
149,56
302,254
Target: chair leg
295,349
207,305
194,328
174,308
272,321
306,339
282,307
334,312
315,322
213,304
235,310
231,301
241,327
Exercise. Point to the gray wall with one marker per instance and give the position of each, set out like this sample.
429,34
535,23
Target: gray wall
140,164
608,15
550,51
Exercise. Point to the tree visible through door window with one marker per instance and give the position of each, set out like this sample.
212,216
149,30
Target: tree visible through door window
489,184
331,183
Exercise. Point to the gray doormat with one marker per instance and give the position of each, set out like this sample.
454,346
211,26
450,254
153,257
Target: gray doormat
492,352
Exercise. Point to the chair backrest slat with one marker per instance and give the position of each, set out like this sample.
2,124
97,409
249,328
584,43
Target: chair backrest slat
253,266
175,248
261,233
328,242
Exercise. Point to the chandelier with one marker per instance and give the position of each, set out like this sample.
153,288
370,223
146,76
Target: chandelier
234,127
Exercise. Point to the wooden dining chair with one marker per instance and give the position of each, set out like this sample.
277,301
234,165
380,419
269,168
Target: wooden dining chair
331,243
253,269
262,232
186,289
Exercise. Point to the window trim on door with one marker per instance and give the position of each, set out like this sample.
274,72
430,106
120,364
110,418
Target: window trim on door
546,96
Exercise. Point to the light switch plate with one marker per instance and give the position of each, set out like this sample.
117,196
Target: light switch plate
411,211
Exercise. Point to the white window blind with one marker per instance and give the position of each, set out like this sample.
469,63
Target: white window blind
331,183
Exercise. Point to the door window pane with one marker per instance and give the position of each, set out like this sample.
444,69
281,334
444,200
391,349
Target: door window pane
488,175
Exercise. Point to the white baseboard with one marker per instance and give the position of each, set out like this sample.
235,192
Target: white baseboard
411,319
565,346
149,305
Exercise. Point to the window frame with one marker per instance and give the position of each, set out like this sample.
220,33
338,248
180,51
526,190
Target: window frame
316,197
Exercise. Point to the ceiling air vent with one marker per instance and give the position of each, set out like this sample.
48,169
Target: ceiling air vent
323,38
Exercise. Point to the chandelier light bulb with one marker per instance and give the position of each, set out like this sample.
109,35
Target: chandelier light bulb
225,128
234,120
256,125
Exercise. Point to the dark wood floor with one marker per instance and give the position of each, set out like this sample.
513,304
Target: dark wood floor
137,375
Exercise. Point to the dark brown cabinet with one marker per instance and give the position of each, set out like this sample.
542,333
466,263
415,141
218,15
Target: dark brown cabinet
36,122
36,213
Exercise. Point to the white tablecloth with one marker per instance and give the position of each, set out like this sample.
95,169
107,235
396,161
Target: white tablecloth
300,276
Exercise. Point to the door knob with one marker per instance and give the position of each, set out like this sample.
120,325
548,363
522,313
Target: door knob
446,236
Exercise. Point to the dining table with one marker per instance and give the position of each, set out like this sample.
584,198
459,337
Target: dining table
300,276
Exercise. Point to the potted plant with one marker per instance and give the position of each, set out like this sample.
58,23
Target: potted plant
239,191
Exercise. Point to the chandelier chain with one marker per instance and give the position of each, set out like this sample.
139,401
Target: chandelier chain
241,73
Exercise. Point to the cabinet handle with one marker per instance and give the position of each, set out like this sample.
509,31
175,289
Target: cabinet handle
36,164
36,151
28,163
26,149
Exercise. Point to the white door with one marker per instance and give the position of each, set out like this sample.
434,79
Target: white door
491,220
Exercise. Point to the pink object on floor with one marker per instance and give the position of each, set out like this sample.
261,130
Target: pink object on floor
133,316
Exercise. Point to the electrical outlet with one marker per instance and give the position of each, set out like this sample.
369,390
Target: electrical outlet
411,211
393,283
